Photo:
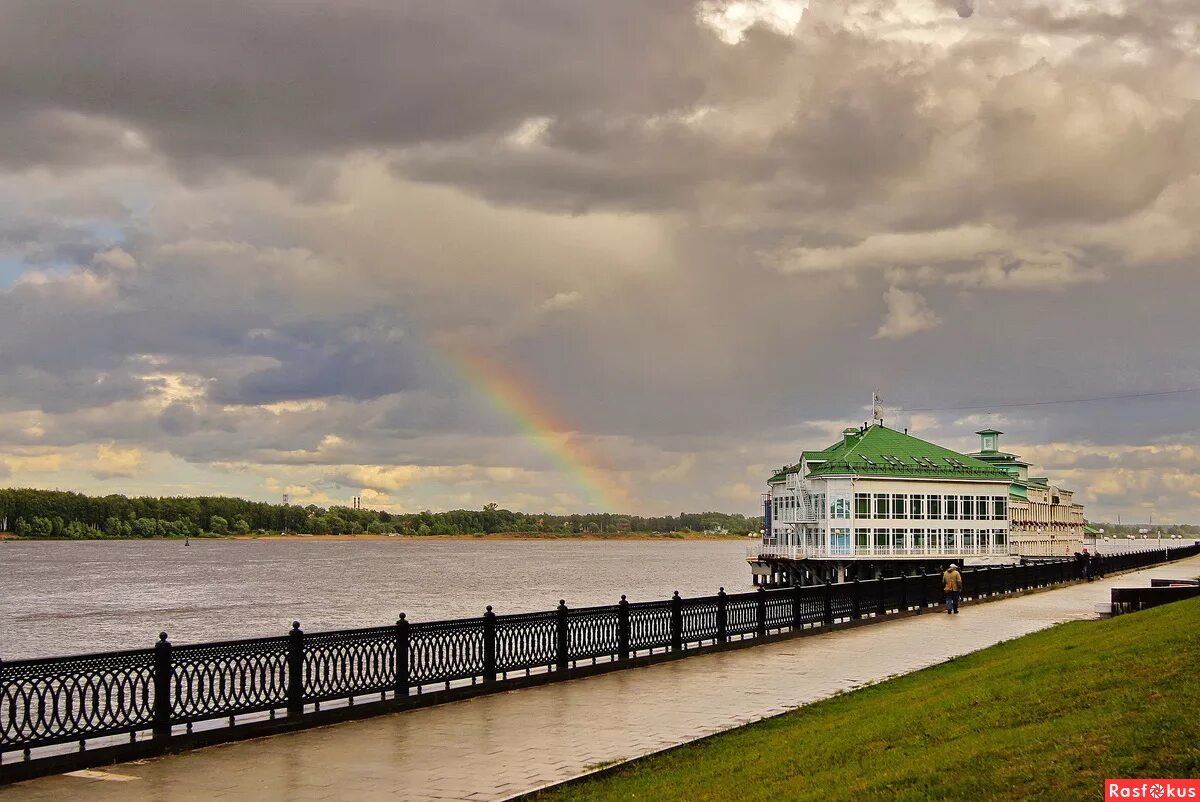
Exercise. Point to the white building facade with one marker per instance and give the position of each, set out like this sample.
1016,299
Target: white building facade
881,496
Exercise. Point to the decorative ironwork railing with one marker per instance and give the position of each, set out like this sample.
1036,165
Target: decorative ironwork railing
61,700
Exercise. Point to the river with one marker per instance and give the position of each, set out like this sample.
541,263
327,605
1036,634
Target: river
61,598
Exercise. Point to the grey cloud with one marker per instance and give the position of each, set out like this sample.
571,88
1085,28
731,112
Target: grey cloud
179,419
302,319
234,82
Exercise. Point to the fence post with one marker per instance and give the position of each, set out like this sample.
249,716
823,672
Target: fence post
924,595
295,660
676,623
855,599
797,611
880,606
722,617
562,636
162,687
401,685
827,618
761,629
904,592
489,645
623,629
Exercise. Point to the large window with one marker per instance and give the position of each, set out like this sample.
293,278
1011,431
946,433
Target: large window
968,507
899,536
899,505
883,506
950,503
999,538
840,507
918,539
934,504
862,505
936,543
999,508
983,507
881,540
862,539
916,506
839,541
968,538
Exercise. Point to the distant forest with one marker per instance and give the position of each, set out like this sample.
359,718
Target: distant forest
1125,530
59,514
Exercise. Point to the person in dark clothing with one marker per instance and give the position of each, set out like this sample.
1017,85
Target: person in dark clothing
1087,564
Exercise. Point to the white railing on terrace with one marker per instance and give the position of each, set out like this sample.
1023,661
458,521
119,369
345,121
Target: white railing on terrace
800,515
850,552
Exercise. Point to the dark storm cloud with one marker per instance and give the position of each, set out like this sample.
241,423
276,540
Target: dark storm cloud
234,82
329,358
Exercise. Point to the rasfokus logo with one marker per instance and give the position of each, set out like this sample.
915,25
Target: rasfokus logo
1151,789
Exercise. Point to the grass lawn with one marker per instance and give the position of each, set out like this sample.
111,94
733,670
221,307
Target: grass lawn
1046,716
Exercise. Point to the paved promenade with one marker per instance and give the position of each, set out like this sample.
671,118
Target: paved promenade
494,747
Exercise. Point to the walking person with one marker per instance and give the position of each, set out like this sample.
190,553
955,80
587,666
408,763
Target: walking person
952,584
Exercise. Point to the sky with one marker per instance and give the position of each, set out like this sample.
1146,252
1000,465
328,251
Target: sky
582,256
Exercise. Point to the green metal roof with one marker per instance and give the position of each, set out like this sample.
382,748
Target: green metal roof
880,451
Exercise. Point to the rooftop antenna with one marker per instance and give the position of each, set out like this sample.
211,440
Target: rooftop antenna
876,409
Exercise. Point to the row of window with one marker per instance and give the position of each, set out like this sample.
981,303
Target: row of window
931,506
918,506
938,539
843,540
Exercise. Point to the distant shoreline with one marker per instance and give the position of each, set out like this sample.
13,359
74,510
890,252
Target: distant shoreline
478,536
509,536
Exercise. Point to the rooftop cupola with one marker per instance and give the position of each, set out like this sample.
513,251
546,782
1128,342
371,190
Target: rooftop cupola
989,440
851,435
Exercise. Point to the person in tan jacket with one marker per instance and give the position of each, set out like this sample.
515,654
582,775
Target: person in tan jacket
952,584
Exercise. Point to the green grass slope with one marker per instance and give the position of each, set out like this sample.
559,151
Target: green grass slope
1047,716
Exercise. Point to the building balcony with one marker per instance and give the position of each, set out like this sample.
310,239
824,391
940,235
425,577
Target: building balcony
797,516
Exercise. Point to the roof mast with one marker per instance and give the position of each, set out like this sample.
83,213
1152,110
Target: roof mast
876,409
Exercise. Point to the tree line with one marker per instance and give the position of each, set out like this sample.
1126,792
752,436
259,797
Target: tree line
1135,530
62,514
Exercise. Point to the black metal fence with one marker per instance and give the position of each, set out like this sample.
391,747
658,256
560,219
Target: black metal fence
1129,600
165,690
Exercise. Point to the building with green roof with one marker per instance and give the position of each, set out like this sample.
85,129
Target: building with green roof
881,502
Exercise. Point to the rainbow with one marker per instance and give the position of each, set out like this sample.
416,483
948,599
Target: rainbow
554,435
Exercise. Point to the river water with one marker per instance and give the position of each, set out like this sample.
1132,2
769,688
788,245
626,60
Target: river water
74,597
